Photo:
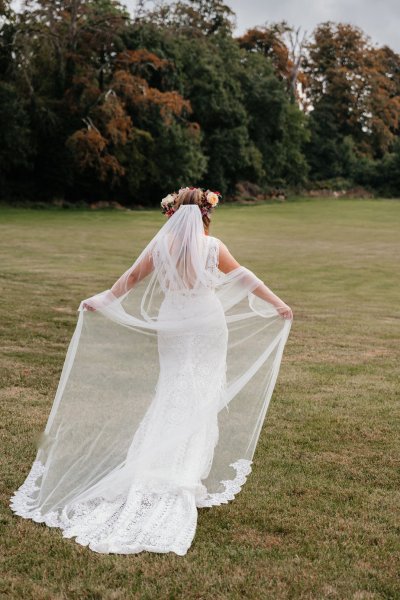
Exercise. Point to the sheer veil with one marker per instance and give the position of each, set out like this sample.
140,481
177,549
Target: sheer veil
172,326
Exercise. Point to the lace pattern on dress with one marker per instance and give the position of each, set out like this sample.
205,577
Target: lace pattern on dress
213,255
232,486
155,515
143,521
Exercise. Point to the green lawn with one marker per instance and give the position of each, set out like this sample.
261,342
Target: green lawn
319,516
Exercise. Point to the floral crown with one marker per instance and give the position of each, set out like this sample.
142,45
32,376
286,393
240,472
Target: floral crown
209,201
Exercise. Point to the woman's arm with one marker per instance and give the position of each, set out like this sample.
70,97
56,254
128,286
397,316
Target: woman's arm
129,279
133,276
228,263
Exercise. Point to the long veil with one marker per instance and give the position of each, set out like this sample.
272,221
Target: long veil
148,338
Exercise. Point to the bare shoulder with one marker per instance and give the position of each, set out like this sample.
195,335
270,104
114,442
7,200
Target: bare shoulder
226,261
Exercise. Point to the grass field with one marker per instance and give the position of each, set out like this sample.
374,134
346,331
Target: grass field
319,516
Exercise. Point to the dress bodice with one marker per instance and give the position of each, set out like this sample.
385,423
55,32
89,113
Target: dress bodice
212,255
171,279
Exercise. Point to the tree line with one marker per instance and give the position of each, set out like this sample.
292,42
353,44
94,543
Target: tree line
97,104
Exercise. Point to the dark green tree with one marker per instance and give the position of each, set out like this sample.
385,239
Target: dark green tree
353,91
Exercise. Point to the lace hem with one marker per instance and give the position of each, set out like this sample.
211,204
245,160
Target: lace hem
142,521
232,486
116,526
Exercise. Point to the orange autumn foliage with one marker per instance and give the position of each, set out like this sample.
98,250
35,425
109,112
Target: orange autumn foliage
89,149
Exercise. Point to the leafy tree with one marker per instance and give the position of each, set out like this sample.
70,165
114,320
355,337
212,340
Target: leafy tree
75,70
134,117
277,127
196,18
238,100
284,47
15,148
96,105
353,92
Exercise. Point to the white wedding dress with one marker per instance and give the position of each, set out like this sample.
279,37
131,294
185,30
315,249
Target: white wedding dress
146,496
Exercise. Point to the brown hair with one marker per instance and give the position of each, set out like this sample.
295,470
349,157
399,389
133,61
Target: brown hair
194,196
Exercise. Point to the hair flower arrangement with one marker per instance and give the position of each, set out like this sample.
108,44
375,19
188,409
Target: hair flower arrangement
209,201
168,204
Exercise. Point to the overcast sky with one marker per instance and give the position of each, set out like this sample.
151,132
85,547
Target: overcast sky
380,19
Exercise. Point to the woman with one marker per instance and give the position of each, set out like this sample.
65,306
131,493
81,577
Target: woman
163,393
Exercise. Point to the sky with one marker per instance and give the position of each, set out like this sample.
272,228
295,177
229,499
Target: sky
379,19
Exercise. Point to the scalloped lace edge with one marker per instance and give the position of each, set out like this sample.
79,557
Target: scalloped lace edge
232,486
21,501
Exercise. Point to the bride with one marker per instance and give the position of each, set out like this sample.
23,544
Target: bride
163,393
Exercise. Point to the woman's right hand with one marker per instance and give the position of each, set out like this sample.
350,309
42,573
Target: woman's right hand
88,307
285,311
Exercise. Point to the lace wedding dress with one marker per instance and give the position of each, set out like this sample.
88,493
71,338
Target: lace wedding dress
135,482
